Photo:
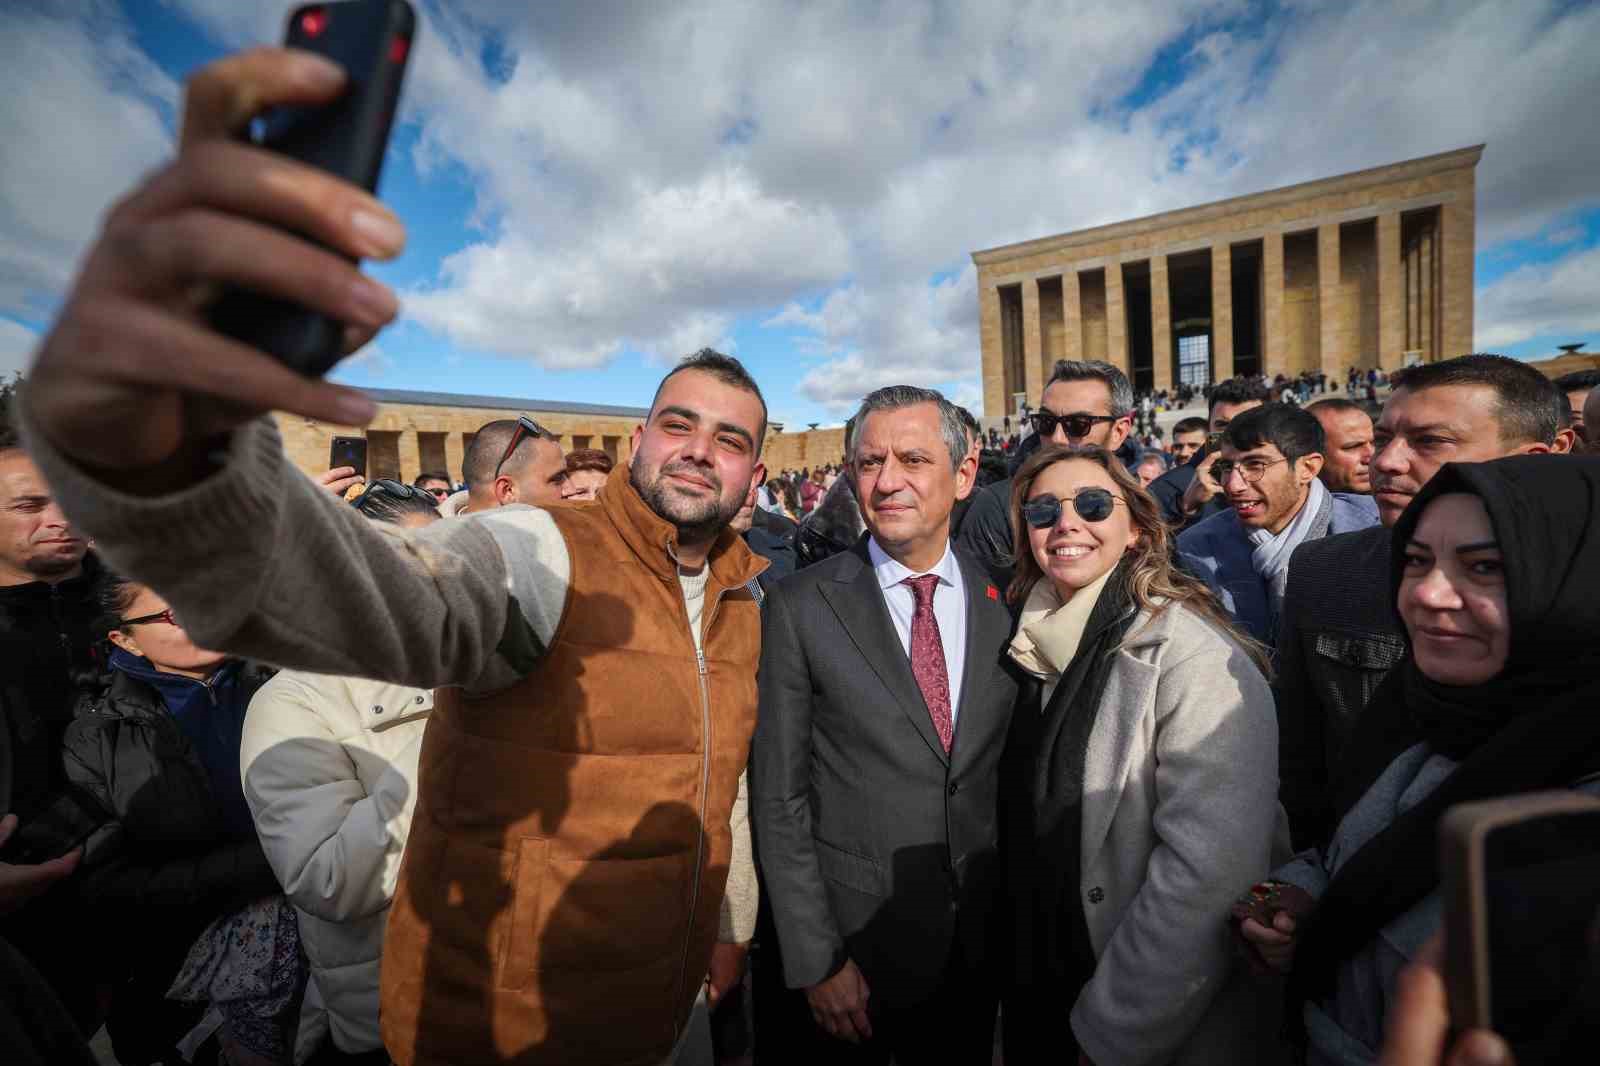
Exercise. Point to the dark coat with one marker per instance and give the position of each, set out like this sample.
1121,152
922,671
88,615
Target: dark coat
772,536
1338,638
876,846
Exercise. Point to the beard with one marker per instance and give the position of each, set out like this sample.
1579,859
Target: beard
696,520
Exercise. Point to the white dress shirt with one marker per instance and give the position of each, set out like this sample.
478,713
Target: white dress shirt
949,609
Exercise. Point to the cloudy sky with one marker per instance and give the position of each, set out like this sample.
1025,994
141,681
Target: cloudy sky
594,188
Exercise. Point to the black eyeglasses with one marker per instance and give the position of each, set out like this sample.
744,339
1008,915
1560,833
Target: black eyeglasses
146,619
1076,425
526,427
1092,505
397,489
438,494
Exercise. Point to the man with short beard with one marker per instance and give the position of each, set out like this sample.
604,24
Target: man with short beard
1339,635
579,798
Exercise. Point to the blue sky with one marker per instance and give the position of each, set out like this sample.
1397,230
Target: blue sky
592,190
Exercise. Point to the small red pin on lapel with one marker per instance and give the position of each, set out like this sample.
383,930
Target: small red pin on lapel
992,592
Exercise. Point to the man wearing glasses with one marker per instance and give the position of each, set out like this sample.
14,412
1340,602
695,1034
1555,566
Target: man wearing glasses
1084,403
435,483
512,460
1267,467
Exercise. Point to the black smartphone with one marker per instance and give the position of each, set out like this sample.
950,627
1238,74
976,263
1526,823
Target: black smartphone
348,451
371,40
1521,888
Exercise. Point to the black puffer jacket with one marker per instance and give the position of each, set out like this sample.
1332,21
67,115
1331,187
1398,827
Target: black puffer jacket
162,843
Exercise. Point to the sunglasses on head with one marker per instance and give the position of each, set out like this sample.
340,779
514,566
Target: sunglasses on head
389,487
526,427
1092,505
1076,425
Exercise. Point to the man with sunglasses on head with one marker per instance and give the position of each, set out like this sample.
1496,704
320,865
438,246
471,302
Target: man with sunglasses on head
577,820
511,460
1089,402
1267,466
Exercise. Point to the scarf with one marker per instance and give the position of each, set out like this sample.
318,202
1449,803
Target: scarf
1053,942
1050,631
1531,727
1270,552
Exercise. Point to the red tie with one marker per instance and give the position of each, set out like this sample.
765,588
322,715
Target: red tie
927,656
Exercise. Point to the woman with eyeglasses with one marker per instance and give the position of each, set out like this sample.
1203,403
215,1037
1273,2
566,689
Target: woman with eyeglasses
175,875
1141,778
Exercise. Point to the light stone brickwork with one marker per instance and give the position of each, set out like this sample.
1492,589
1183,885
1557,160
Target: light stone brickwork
1379,264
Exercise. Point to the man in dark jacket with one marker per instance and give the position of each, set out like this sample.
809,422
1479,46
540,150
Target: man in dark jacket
1180,506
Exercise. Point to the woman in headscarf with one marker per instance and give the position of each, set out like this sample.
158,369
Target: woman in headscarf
1496,577
1142,777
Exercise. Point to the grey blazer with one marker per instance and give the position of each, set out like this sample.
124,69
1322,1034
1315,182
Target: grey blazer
873,843
1338,637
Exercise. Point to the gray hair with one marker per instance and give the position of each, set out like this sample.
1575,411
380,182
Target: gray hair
1149,454
1115,381
952,427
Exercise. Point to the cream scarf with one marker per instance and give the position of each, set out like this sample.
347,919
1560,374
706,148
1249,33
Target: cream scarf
1050,631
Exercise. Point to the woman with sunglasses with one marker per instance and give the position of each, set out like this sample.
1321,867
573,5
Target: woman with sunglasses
175,874
1142,777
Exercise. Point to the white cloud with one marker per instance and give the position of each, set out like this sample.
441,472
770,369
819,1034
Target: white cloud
1539,300
16,347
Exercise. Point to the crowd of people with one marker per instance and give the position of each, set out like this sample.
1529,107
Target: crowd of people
1078,749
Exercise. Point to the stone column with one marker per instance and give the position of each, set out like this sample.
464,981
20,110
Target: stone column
1427,296
1160,323
1032,343
1116,319
1273,348
1221,311
454,456
1071,314
410,455
994,375
1457,237
1334,331
1391,293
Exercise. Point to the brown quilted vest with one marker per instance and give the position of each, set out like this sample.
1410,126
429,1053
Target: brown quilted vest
558,899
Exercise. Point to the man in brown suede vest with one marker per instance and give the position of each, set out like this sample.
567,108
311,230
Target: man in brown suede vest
580,786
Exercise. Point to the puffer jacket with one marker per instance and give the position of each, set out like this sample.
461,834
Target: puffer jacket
330,771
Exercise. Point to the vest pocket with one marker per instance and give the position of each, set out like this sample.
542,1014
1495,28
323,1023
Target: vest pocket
593,915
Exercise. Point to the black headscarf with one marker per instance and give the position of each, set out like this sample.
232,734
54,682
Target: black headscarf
1535,725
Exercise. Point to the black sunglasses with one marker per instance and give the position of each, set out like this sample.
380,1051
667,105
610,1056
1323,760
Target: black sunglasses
526,427
1077,425
398,489
1092,505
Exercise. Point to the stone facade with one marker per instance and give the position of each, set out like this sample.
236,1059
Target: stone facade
1370,269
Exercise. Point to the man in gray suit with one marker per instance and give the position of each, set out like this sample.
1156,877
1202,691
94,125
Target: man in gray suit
1338,635
885,700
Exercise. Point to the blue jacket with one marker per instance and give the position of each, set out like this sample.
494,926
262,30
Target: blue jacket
1218,552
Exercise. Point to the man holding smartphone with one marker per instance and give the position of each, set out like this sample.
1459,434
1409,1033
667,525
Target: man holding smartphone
579,796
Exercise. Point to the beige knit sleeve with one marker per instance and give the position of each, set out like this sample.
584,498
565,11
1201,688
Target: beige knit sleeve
743,895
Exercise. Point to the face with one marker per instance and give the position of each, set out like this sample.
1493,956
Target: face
1421,431
1272,502
36,543
1185,445
904,477
1085,398
438,488
1075,553
1348,459
747,514
1223,413
1575,402
1453,593
1148,471
695,460
539,476
585,484
166,646
1591,421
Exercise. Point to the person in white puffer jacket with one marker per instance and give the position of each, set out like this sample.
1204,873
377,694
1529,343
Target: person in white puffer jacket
330,773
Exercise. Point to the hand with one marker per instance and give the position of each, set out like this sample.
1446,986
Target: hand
131,381
727,967
839,1004
1201,488
339,480
1419,1022
1267,930
19,884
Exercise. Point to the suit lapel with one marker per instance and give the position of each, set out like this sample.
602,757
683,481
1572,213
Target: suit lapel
857,601
988,630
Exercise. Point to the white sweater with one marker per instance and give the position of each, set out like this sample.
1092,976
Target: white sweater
330,771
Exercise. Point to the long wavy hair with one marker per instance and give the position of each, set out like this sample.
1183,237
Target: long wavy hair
1154,582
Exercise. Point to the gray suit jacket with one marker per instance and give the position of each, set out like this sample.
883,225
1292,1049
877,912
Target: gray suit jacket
1338,637
874,844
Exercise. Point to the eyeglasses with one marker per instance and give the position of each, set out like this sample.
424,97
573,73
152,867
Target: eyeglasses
1077,425
526,427
1092,505
1251,470
146,619
438,494
389,487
